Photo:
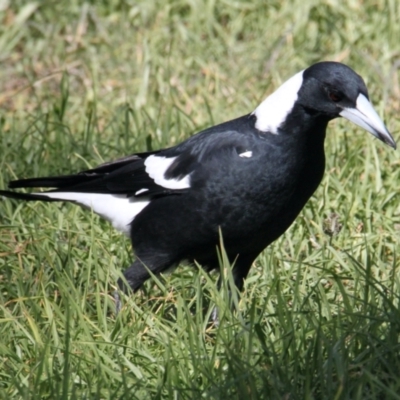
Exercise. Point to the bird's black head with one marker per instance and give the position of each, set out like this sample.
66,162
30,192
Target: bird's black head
331,90
329,87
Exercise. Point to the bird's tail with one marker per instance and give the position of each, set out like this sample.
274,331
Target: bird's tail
60,182
26,196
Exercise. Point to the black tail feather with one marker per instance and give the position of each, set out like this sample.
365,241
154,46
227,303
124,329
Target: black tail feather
59,182
26,196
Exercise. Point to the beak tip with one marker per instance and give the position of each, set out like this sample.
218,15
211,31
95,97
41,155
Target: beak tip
364,115
387,138
393,145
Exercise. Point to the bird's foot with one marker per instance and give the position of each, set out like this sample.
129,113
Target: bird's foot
214,316
118,304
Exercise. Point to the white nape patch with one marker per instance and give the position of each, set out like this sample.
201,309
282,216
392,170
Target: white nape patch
141,191
246,154
117,209
156,166
272,112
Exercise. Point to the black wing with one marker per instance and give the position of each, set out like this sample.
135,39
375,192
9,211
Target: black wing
126,176
130,175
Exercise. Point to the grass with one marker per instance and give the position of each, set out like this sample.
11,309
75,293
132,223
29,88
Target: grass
81,83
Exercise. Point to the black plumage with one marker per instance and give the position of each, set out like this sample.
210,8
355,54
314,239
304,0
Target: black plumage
249,177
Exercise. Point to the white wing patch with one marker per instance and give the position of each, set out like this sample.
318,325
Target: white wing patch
156,166
246,154
271,113
118,209
140,191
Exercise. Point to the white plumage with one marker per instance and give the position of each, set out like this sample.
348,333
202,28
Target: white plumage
157,166
118,209
272,112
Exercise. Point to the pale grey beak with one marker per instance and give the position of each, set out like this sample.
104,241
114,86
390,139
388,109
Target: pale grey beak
365,116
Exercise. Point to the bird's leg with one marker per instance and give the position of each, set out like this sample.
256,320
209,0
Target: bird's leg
138,273
240,270
135,276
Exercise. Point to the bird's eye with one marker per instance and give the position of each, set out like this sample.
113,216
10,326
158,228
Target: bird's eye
335,96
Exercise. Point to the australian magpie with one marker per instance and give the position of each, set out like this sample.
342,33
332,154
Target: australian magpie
248,178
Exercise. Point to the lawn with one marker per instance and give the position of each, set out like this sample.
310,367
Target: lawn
82,83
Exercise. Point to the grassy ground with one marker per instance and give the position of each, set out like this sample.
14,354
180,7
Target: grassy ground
85,82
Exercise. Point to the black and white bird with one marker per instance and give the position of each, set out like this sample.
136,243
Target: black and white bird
249,177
